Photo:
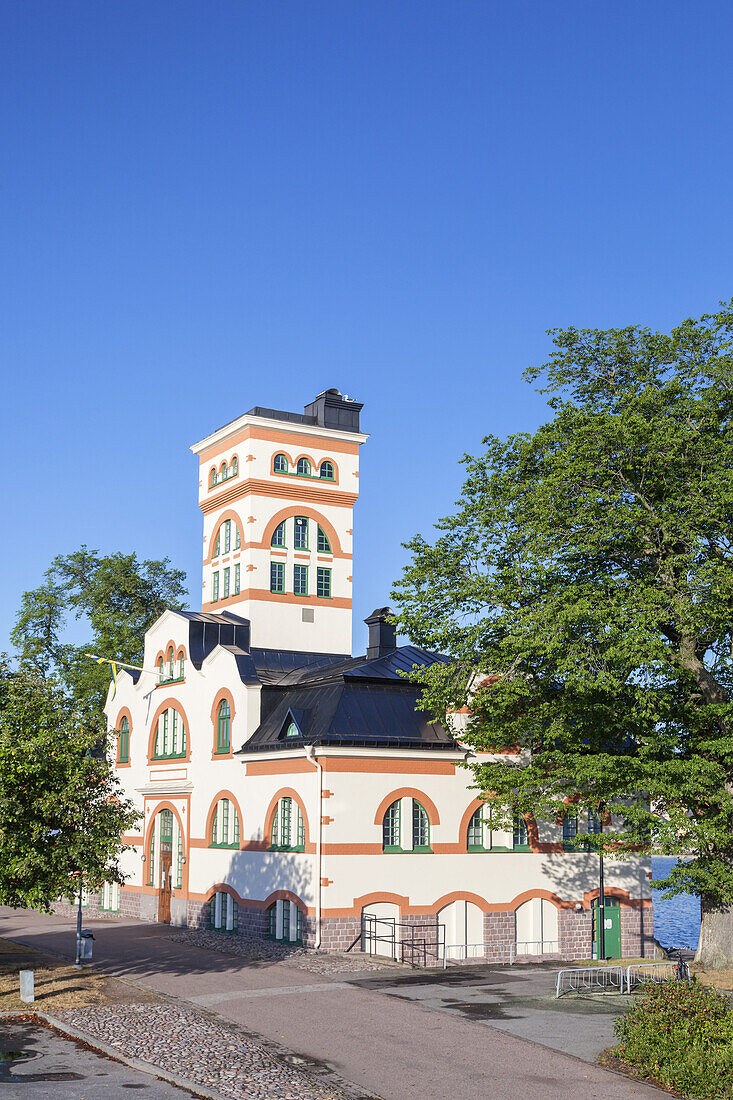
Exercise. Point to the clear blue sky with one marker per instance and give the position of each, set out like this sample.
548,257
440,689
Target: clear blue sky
208,206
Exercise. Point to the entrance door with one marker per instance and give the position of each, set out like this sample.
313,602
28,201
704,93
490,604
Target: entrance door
611,928
464,930
166,858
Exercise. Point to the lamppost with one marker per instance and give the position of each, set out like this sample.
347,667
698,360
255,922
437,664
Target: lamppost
77,963
601,918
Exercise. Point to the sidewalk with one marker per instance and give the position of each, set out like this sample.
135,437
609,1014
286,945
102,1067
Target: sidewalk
386,1045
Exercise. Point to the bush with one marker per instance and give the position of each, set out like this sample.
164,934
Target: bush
682,1036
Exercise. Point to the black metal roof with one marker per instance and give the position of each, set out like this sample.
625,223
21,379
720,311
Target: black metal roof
348,702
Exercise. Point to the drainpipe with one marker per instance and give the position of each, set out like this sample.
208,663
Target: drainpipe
310,753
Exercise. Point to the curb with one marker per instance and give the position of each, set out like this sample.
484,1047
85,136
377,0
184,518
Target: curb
100,1047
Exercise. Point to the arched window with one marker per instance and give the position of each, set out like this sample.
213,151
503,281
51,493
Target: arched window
520,833
292,730
278,535
324,546
286,922
475,839
223,472
217,544
124,742
326,470
225,831
109,897
171,669
223,912
288,827
213,478
166,845
161,671
237,537
235,466
223,727
304,467
181,666
280,464
170,736
399,824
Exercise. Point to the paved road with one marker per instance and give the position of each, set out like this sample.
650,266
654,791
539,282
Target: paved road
37,1063
400,1045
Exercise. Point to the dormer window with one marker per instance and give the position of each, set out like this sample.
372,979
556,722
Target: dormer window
303,467
326,470
292,730
280,464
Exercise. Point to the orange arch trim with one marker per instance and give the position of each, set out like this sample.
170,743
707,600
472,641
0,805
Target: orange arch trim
302,510
285,792
210,816
173,704
408,792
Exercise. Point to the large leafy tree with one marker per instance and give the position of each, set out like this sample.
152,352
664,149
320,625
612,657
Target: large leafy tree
584,588
62,811
117,598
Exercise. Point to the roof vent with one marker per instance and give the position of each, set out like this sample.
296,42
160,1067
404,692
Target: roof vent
382,634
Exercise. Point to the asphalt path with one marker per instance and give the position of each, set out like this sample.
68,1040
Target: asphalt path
388,1033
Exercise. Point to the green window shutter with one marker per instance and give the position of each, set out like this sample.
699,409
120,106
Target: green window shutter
277,576
300,541
300,580
323,583
236,579
324,546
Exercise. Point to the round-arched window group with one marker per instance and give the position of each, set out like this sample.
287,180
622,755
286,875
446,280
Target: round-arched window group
171,669
303,468
223,472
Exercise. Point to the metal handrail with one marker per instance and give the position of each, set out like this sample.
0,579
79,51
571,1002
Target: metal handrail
504,951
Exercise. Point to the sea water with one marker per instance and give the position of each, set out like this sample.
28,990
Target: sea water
677,919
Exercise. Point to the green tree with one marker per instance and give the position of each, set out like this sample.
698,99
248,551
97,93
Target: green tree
62,812
584,588
117,596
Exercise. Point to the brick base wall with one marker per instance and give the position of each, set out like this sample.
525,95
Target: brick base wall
129,908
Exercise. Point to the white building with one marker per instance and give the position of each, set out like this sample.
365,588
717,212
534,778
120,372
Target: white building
288,788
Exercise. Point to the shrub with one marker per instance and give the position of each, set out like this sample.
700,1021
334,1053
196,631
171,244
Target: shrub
682,1036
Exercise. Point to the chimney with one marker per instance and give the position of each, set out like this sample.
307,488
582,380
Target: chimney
382,635
334,410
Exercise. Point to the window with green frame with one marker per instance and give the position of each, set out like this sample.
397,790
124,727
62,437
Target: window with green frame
109,897
569,832
300,580
392,828
280,464
237,537
304,467
323,583
475,841
285,920
223,912
225,830
484,836
217,545
213,477
223,727
300,540
237,575
292,729
324,546
170,736
288,828
278,535
227,575
277,576
123,747
520,834
181,666
326,470
215,587
227,526
168,672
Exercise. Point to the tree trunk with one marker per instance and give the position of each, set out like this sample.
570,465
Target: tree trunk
715,950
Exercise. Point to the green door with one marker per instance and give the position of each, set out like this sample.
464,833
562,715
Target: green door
612,928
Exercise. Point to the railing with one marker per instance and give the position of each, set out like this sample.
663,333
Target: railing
656,972
459,952
590,979
540,948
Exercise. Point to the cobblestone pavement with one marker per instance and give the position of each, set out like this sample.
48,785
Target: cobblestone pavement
207,1052
305,958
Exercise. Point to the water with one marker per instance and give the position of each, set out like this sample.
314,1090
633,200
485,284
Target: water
676,920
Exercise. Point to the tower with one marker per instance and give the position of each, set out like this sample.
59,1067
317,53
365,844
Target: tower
277,490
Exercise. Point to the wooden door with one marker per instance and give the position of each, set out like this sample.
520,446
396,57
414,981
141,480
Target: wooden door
164,891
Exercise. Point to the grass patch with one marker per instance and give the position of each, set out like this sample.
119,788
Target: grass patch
679,1036
717,979
57,983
